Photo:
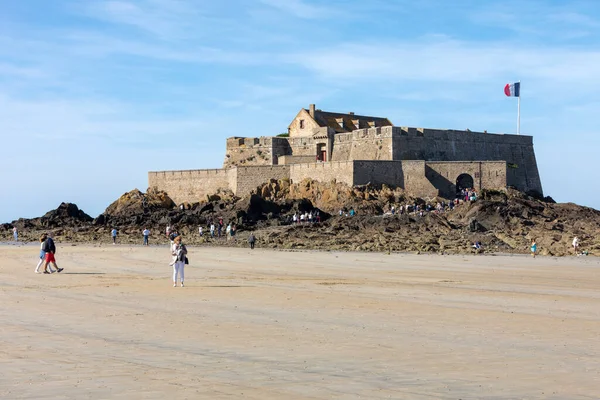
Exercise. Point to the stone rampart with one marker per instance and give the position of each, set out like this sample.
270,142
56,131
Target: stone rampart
450,145
363,144
485,175
341,171
264,150
249,178
288,160
191,185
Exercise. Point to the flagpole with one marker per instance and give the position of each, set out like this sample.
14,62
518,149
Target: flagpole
519,111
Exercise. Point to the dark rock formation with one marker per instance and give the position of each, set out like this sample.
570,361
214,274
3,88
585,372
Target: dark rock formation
503,221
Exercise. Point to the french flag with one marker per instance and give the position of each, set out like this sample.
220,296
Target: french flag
513,89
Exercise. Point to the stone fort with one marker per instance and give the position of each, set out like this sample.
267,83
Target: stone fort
356,150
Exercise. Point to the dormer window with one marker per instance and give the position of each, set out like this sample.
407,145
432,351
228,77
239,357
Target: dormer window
301,124
372,124
340,122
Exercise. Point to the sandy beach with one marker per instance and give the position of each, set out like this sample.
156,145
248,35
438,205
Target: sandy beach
268,324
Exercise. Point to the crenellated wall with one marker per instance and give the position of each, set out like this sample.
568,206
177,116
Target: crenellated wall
250,177
450,145
340,171
264,150
191,185
423,161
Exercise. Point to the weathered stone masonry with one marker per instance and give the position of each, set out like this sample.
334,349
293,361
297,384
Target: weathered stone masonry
359,149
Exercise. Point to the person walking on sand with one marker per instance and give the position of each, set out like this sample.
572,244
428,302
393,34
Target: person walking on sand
533,248
15,234
113,233
146,233
50,249
42,255
251,240
576,245
178,252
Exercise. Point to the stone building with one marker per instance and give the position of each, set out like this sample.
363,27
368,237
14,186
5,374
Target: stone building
357,149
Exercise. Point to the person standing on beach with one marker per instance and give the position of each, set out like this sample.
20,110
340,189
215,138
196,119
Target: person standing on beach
533,248
146,233
576,245
168,230
15,234
251,240
178,251
50,248
200,231
114,235
42,255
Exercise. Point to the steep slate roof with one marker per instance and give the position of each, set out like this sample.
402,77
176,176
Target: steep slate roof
330,119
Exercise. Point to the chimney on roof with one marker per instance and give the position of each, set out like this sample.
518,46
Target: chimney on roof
311,110
351,113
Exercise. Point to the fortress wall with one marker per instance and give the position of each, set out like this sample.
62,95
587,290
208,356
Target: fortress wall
191,185
280,147
342,147
341,171
415,180
249,151
287,160
451,145
378,173
364,144
486,175
248,178
303,146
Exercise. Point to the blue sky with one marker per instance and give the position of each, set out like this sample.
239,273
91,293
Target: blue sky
93,94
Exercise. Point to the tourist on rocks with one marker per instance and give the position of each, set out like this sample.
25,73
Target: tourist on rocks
200,231
168,231
533,248
42,254
302,218
393,210
232,232
576,245
251,240
113,233
352,212
178,252
146,233
295,218
477,247
15,234
318,216
220,227
50,249
212,229
228,231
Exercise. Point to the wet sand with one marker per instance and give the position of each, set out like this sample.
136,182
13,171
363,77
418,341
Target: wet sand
265,324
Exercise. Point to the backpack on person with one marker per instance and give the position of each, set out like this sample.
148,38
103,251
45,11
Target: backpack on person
182,254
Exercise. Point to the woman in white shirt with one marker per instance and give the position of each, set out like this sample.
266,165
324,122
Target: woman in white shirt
178,251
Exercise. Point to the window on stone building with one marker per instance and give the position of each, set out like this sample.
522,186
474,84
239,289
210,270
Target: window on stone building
301,124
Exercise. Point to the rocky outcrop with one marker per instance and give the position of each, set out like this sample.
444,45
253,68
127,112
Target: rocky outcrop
503,221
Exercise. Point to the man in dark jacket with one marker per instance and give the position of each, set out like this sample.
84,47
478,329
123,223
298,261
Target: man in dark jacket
50,248
251,240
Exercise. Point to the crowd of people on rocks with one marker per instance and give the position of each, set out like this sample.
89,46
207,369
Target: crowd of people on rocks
465,196
313,216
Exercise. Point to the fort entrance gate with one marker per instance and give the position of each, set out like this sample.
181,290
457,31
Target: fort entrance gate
464,181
